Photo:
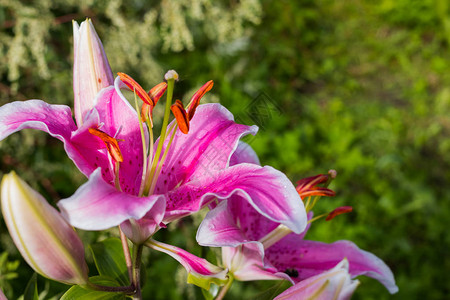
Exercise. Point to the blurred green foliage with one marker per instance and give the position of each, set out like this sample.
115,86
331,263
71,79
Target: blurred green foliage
358,86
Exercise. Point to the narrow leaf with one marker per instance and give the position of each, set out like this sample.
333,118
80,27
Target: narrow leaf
110,260
31,292
79,292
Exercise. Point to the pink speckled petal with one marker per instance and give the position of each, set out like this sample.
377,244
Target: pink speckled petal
206,150
118,119
193,264
310,258
269,191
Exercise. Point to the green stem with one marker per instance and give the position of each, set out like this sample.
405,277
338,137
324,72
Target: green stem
126,252
115,289
225,289
137,256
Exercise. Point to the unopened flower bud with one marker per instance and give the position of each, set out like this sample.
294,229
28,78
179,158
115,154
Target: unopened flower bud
91,70
45,240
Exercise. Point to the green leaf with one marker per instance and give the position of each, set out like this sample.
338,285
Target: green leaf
79,292
211,293
110,260
31,292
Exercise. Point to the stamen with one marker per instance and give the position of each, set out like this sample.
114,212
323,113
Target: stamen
181,116
146,114
134,86
116,177
144,149
338,211
172,131
275,235
111,144
307,188
195,100
155,94
157,91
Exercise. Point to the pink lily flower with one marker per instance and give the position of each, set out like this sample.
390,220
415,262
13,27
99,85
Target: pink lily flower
130,184
246,234
332,284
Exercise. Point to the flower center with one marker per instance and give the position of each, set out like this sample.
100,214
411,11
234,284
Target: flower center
153,159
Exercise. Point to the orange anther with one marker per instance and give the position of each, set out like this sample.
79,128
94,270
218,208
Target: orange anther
181,116
111,144
136,87
146,112
195,100
157,91
338,211
307,187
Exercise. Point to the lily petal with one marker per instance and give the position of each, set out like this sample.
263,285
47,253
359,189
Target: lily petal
53,119
194,265
310,258
36,114
138,231
246,263
244,154
213,137
332,284
269,191
97,205
219,228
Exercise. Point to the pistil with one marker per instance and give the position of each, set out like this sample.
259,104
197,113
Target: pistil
170,76
275,235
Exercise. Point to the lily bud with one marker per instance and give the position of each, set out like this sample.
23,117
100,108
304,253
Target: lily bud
91,70
332,284
45,240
